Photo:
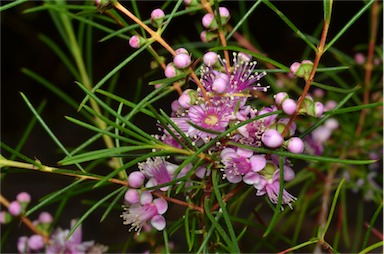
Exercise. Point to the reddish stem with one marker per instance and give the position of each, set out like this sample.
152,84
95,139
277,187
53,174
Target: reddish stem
369,65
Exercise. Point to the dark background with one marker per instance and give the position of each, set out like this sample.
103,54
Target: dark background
20,48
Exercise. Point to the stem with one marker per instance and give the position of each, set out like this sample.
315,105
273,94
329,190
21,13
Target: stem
39,167
26,221
157,37
369,65
223,41
319,53
179,202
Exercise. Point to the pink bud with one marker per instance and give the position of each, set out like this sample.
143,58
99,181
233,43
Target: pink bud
170,70
331,124
318,92
134,42
224,12
35,242
3,217
208,20
14,208
157,17
219,85
181,51
329,105
186,99
136,179
146,198
280,97
23,197
22,244
182,61
359,58
294,67
295,145
157,14
210,58
203,36
319,109
289,106
272,138
175,105
45,217
132,196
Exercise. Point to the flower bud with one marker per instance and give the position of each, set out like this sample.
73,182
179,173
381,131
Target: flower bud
181,51
36,242
295,145
331,124
15,208
224,15
219,85
329,105
132,196
319,109
272,138
135,41
207,36
360,58
23,197
136,179
303,69
209,21
22,244
45,217
289,106
280,97
170,71
103,5
157,17
187,98
5,217
182,61
146,198
210,58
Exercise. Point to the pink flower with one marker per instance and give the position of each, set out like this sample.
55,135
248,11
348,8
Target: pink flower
147,210
241,164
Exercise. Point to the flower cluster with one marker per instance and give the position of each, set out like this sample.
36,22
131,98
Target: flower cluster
221,103
48,241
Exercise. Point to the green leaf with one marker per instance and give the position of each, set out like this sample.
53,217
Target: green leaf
327,10
12,4
349,24
223,207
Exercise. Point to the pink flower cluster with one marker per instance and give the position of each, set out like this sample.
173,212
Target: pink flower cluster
48,241
224,99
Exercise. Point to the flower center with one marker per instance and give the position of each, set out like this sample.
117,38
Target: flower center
211,120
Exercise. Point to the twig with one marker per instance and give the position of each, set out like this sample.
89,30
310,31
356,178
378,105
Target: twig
369,65
25,220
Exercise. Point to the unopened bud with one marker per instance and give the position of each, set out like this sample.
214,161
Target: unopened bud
182,61
103,5
136,41
295,145
302,69
209,21
157,17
